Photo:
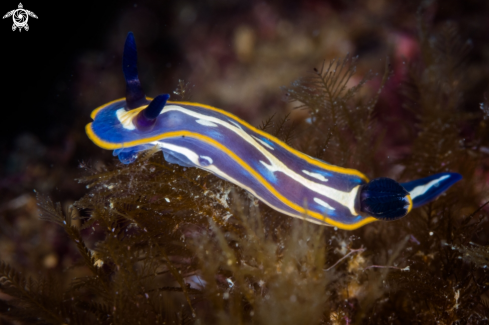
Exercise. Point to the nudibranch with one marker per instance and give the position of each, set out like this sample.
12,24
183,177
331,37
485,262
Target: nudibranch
293,183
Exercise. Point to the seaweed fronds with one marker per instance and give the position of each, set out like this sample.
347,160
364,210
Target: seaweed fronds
143,259
250,271
434,92
42,300
283,129
53,213
477,254
341,120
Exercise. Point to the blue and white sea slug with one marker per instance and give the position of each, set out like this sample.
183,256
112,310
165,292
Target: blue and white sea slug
197,135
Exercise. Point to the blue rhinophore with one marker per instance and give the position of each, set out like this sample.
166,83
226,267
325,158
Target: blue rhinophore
130,58
155,107
146,119
427,189
134,92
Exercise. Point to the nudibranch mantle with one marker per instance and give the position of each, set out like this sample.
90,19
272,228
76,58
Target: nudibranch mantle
291,182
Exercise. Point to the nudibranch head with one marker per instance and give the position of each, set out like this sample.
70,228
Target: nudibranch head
115,127
384,199
121,123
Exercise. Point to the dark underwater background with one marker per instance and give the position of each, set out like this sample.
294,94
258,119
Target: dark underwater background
246,57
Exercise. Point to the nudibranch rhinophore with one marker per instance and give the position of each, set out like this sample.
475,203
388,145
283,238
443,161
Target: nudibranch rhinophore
293,183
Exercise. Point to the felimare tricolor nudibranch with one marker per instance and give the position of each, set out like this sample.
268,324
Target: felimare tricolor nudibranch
197,135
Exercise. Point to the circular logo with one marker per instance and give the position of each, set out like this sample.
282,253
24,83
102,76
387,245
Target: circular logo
20,18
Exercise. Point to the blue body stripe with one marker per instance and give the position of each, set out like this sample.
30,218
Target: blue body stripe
284,184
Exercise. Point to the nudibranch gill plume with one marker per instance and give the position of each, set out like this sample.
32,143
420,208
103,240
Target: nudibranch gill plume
291,182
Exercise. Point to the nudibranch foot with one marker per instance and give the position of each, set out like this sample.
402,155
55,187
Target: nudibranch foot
129,155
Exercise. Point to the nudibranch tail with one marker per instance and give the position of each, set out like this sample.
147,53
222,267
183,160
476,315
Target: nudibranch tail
289,181
134,92
427,189
146,119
